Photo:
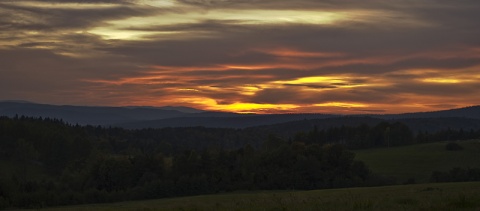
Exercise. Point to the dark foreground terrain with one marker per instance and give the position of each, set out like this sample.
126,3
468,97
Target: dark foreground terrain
49,163
444,196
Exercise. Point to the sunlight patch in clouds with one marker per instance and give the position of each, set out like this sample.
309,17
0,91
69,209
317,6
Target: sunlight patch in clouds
471,79
188,90
333,81
279,16
442,80
250,89
343,105
139,26
119,34
237,107
315,79
251,107
158,3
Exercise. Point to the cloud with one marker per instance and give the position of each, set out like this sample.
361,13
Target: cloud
306,55
52,16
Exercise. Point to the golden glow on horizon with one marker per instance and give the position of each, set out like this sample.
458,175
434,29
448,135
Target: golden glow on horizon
253,107
180,88
306,86
422,103
206,103
237,107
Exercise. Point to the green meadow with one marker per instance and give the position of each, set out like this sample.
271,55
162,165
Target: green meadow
444,196
419,161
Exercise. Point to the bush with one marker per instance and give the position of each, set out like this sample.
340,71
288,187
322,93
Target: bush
452,146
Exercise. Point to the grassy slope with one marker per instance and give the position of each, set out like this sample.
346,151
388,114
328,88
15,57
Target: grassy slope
418,161
447,196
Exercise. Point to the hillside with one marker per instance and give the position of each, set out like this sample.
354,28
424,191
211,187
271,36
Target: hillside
288,124
419,161
431,125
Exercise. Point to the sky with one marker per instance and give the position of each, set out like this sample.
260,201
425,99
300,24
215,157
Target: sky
247,56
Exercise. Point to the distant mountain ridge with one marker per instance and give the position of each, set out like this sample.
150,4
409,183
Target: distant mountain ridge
472,112
252,120
170,108
136,117
93,115
222,121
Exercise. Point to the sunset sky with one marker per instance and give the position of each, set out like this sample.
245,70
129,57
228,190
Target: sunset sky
263,56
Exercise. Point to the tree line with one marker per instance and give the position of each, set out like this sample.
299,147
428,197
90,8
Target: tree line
384,134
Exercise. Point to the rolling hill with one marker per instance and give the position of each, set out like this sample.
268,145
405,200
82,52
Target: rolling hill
419,161
463,118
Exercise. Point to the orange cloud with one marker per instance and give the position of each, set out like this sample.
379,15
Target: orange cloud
180,86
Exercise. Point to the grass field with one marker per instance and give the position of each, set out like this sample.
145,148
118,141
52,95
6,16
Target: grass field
418,161
446,196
